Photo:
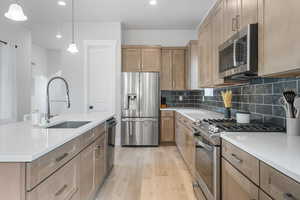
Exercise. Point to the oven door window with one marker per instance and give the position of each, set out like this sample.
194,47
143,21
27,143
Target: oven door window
205,162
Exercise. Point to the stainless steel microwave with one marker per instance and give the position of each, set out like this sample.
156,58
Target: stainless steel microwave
238,56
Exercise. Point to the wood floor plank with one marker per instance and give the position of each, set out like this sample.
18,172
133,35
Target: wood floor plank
148,174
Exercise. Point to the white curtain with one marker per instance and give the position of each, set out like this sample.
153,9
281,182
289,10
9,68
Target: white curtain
8,87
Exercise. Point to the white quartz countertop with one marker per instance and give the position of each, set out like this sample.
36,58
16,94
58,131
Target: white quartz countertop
278,150
195,114
22,142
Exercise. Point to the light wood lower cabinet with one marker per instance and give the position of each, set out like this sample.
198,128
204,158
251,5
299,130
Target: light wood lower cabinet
235,185
167,133
263,196
63,185
277,185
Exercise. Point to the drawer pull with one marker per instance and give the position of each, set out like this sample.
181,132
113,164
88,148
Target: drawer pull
60,158
61,190
236,158
288,196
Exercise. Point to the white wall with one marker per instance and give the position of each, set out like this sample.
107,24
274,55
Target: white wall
72,66
158,37
14,33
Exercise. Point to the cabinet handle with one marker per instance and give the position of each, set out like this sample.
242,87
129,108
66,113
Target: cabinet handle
236,158
288,196
98,147
61,190
233,24
238,17
60,158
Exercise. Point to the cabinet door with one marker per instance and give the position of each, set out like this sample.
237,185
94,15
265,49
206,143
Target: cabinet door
166,76
248,13
178,64
87,172
263,196
230,17
167,129
99,175
205,58
279,36
151,60
218,39
235,185
131,60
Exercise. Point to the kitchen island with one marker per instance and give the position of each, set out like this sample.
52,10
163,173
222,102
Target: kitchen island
38,163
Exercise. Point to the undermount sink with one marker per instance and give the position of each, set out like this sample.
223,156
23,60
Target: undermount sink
69,124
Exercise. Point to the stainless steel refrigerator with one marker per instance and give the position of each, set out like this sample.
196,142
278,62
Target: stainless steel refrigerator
140,109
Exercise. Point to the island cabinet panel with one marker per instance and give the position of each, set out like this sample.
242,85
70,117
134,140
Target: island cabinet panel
41,168
235,185
279,37
277,185
100,160
63,185
87,169
12,181
167,133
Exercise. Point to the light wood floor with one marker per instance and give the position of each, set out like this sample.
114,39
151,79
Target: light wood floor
148,174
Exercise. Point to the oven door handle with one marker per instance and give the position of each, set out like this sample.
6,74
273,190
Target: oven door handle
201,145
235,53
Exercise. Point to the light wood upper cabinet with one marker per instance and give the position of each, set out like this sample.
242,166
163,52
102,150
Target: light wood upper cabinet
179,61
218,39
230,14
151,60
167,126
279,37
205,57
247,13
166,75
235,185
131,60
141,58
173,69
191,72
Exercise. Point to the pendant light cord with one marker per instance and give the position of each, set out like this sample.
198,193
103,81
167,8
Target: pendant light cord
73,24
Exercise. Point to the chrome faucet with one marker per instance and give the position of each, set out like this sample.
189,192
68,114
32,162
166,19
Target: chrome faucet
48,115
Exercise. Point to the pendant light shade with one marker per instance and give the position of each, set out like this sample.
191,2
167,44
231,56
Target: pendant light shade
73,47
15,13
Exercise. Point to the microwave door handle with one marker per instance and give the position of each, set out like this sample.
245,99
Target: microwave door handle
234,53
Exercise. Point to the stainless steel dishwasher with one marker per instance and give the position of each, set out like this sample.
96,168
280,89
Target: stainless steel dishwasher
111,134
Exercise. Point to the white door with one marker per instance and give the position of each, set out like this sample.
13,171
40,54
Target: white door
100,74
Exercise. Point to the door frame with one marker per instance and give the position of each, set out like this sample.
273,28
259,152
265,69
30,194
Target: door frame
94,43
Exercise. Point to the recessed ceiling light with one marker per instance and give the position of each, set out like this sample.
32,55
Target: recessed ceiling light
58,36
61,3
153,2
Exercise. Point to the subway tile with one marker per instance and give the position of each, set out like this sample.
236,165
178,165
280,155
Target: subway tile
256,81
279,111
278,121
264,109
257,118
263,89
248,89
257,99
280,87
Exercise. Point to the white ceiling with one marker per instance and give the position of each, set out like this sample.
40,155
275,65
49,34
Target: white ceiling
134,14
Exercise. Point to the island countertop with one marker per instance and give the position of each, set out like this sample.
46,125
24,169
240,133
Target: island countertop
22,142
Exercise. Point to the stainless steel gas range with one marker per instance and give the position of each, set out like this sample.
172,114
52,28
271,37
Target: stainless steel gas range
208,152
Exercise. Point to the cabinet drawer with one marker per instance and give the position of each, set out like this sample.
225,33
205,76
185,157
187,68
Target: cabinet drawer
41,168
167,113
235,185
243,161
277,185
63,185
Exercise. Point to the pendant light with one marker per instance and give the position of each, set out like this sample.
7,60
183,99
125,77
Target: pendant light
15,12
73,47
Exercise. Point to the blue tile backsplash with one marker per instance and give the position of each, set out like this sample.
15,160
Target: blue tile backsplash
259,97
